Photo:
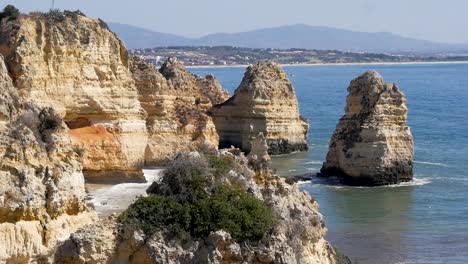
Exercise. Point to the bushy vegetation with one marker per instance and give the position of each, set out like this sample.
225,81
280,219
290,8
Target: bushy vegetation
219,165
55,16
191,201
11,12
234,210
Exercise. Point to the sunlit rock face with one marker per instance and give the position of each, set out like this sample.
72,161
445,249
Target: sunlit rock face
176,102
297,236
76,65
372,144
265,102
42,192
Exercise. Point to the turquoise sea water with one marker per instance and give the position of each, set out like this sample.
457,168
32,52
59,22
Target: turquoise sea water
422,222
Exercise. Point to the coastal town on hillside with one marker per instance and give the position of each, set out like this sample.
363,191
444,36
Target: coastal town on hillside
231,56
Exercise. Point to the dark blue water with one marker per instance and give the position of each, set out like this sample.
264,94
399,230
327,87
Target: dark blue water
422,222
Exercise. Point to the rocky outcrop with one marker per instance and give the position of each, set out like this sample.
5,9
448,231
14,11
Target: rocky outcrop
297,235
264,102
79,67
176,102
42,193
372,144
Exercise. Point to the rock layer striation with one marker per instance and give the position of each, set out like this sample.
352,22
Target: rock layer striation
372,144
176,102
79,67
265,102
42,192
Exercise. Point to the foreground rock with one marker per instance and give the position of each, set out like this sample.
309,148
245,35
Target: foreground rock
297,235
176,102
42,193
264,102
79,67
372,144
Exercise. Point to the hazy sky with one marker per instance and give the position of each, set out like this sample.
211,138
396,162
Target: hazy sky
437,20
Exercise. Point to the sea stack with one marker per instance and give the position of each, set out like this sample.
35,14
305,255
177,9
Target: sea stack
177,102
264,102
76,65
372,144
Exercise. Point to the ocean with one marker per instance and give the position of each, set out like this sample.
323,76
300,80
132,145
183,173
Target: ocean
425,221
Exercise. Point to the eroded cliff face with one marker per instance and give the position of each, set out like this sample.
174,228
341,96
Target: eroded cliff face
297,235
176,102
80,68
372,144
264,102
42,193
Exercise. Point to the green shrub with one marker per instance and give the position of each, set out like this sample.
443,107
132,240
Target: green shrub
11,12
192,199
219,165
187,178
153,213
55,16
233,210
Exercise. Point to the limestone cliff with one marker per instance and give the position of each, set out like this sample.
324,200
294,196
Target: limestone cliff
79,67
42,193
372,144
296,237
264,102
176,102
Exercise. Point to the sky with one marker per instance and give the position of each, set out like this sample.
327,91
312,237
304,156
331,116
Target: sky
437,20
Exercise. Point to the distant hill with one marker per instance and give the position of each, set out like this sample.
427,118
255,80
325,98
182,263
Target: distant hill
284,37
140,38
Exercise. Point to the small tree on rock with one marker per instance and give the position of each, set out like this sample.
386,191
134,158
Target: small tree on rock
11,12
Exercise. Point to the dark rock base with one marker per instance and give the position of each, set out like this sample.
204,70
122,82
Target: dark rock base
283,146
275,146
387,178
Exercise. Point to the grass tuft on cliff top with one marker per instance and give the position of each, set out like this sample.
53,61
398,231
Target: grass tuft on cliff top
192,201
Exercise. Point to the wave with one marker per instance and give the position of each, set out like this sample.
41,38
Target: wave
116,198
431,163
334,184
414,182
314,162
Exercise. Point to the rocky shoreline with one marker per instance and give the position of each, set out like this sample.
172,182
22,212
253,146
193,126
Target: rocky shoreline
77,108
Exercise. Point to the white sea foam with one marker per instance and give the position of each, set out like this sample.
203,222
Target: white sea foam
118,197
334,183
431,163
314,162
414,182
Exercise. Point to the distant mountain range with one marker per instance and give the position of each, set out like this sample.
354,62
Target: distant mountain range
285,37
